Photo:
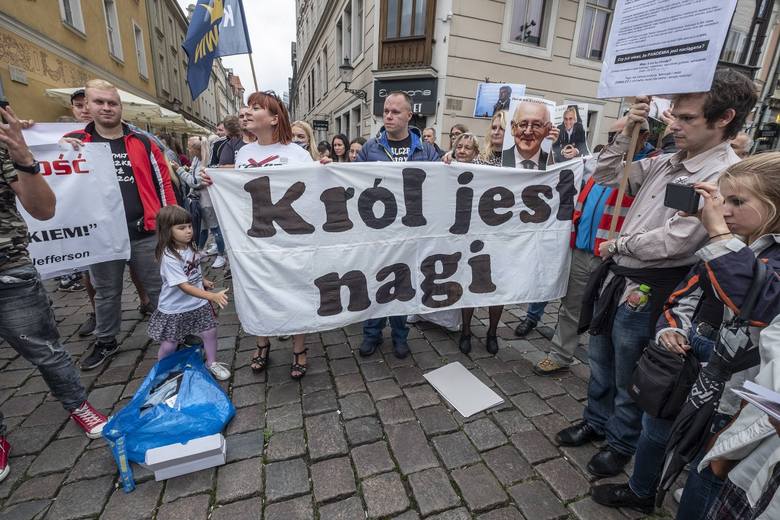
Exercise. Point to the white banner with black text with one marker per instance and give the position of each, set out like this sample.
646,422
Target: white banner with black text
89,225
316,247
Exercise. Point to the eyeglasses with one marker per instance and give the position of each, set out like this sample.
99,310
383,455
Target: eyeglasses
523,125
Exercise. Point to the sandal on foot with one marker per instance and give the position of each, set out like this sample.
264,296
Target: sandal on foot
260,361
297,367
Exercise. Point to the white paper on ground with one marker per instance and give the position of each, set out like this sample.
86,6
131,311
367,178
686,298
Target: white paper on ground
462,389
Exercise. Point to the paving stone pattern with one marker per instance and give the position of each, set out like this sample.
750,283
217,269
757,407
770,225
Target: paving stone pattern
356,438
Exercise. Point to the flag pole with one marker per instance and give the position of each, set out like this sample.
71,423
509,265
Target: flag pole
254,75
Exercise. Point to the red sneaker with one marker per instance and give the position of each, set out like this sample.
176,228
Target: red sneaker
90,420
5,449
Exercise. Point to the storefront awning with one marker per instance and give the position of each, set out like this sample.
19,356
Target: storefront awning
138,110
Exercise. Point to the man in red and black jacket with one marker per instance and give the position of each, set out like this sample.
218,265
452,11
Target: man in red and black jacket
145,183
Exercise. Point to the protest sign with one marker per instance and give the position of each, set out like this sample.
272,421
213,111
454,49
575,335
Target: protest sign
492,97
664,47
89,225
526,142
49,133
572,122
316,247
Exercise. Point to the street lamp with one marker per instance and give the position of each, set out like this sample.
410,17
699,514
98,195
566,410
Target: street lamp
345,72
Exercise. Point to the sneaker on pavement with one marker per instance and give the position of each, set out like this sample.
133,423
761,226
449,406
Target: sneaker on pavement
368,347
401,350
219,371
621,495
5,450
525,326
71,287
219,262
100,353
548,367
89,419
212,250
88,327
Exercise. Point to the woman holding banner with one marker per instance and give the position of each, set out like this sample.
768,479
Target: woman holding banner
268,120
465,149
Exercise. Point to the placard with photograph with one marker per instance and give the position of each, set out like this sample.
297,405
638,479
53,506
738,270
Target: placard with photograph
530,125
492,97
572,122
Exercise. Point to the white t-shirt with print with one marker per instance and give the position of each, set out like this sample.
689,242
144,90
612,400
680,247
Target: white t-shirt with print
256,155
173,272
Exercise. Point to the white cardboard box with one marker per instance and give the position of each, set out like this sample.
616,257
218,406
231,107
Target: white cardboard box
174,460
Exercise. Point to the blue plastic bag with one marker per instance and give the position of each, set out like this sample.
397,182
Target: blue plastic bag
201,408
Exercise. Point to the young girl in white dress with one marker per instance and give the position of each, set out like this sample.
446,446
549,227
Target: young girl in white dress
185,305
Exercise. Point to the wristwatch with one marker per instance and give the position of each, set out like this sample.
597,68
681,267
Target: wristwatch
612,248
32,169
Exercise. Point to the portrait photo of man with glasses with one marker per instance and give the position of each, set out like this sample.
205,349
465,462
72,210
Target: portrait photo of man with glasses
531,124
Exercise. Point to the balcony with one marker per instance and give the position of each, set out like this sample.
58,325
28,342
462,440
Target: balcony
406,35
405,54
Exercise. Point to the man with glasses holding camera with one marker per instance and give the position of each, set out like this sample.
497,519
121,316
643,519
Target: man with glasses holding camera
655,247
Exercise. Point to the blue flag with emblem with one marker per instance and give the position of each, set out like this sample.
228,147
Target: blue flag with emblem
218,28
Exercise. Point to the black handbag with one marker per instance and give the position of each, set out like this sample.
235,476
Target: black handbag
662,379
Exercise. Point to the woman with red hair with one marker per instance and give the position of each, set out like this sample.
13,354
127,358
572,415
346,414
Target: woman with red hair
268,120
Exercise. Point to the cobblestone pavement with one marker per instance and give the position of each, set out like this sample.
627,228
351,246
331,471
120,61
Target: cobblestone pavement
356,438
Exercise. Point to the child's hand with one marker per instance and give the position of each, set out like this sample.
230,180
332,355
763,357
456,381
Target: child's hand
219,298
208,284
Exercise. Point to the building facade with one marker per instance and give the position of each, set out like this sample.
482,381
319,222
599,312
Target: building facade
47,44
440,50
63,43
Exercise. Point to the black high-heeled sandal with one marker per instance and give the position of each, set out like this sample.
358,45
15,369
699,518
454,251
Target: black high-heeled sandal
297,367
260,361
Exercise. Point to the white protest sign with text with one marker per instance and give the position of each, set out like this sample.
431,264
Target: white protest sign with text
89,225
664,46
316,247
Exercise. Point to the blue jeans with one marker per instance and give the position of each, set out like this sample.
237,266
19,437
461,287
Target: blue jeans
372,329
27,324
702,487
535,311
612,358
204,237
650,451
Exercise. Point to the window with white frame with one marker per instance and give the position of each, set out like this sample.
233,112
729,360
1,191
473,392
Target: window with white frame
325,70
70,12
318,79
357,28
735,43
530,20
140,51
112,29
355,118
339,44
594,30
163,76
346,34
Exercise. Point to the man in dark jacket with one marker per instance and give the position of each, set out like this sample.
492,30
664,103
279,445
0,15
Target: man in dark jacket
397,142
145,183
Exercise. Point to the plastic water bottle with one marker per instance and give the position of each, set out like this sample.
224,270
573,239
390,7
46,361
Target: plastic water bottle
638,298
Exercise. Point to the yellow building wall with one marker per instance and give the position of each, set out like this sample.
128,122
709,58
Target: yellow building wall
46,68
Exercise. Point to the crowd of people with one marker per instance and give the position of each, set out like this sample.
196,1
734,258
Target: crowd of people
641,273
